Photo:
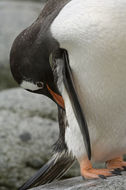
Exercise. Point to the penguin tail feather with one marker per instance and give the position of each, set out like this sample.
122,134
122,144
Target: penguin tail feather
54,169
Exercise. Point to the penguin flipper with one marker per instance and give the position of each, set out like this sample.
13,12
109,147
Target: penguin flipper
62,71
52,170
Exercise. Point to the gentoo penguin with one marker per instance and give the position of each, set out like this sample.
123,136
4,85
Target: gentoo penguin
85,43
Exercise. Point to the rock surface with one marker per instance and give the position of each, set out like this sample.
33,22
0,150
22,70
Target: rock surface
15,16
111,183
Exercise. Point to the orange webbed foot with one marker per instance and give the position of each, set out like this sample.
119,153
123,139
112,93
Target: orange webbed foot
116,164
97,173
88,172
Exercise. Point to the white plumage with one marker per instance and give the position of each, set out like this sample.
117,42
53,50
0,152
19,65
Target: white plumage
94,34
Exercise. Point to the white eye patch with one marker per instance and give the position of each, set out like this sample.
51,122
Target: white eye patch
30,86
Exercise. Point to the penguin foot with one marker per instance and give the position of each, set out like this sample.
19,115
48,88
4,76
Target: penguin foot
97,173
117,164
88,172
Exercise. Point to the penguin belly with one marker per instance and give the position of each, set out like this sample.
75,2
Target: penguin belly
95,39
104,105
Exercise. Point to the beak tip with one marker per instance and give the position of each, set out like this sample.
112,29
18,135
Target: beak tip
57,98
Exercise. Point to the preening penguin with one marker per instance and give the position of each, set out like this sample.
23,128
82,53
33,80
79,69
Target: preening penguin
85,43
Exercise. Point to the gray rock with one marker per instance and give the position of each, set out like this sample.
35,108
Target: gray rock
111,183
15,16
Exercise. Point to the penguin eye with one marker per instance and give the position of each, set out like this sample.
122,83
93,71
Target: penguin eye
40,84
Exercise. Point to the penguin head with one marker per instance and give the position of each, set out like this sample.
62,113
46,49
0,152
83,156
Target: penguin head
29,62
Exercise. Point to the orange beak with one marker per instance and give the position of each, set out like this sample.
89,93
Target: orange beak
57,98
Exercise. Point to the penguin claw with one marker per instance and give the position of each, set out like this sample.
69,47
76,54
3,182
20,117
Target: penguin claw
102,176
116,172
118,169
124,168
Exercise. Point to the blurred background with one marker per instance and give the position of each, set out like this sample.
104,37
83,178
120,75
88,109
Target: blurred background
28,122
